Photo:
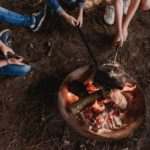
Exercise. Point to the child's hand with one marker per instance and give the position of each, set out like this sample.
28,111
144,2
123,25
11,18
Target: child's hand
15,61
4,49
79,20
119,39
71,20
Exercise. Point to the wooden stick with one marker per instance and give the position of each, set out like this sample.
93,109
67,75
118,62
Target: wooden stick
76,107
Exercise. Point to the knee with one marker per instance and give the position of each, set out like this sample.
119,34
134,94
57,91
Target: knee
15,70
145,5
24,70
109,2
18,70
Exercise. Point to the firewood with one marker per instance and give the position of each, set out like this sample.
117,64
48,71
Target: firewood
76,107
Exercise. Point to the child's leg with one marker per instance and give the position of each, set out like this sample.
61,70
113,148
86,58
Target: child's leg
15,18
131,12
15,70
145,4
119,19
109,2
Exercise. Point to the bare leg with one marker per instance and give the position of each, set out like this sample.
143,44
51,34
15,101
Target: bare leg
131,11
109,2
119,18
145,4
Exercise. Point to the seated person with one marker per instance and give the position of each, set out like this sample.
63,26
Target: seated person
11,64
115,9
54,5
33,22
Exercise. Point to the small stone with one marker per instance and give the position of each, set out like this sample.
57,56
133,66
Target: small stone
49,43
87,141
125,148
66,142
43,118
82,145
31,45
93,143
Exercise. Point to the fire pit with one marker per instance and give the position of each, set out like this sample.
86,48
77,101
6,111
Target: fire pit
111,118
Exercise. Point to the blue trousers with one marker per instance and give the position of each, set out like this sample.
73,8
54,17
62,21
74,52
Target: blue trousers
14,18
18,19
14,69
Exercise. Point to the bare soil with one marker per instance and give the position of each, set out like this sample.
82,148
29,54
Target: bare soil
29,116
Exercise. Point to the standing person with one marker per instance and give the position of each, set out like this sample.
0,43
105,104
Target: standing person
116,9
10,63
33,22
54,5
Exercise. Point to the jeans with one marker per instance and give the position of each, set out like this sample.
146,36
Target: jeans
14,69
54,4
14,18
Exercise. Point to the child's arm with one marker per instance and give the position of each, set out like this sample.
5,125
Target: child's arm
59,10
1,46
119,16
131,11
5,49
69,19
80,13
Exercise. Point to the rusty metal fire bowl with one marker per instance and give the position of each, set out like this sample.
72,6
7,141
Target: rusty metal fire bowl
135,115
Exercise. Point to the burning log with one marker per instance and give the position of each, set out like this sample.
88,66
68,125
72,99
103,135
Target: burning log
76,107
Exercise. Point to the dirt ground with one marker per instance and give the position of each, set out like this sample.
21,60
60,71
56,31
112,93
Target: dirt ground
29,116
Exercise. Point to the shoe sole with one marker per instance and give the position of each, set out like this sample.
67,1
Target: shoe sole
40,23
4,31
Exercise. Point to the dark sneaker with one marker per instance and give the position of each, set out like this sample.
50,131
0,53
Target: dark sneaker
39,18
4,36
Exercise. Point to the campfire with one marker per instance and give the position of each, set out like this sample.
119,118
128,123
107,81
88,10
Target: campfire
107,107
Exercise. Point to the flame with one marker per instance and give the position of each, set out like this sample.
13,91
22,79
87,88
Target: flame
69,97
90,86
69,94
98,107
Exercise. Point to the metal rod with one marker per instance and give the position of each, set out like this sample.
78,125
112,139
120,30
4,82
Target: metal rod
116,53
87,46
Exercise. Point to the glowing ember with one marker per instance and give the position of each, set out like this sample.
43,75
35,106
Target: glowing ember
106,113
90,87
69,94
98,107
71,98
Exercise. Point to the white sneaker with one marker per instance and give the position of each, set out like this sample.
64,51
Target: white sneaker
126,4
109,16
